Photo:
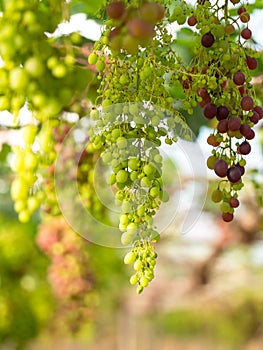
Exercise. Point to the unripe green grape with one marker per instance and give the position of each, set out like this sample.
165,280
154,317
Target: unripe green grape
100,65
126,207
59,71
18,79
32,204
132,228
93,58
145,182
24,216
158,158
217,196
139,289
4,103
141,210
111,179
29,133
122,227
130,44
19,205
138,265
144,281
121,142
149,170
133,163
165,196
154,192
30,160
134,176
226,208
211,162
130,258
124,219
19,189
134,280
34,67
122,176
126,238
52,62
115,134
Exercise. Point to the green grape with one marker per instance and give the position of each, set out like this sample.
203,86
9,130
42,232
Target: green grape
130,258
92,59
217,196
126,238
122,176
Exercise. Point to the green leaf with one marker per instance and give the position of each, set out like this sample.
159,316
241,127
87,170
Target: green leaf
88,7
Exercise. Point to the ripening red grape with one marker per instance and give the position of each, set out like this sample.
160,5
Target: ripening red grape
234,2
246,33
233,174
192,21
234,202
207,40
241,10
220,168
247,103
229,29
259,110
115,10
244,148
140,29
251,135
251,62
227,217
222,112
254,118
234,124
212,141
210,110
222,126
245,129
239,78
151,12
244,17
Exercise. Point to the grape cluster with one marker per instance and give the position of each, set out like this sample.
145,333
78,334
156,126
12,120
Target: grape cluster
42,73
69,271
143,258
221,79
129,136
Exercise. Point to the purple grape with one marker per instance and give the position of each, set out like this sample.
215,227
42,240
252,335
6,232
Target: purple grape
234,174
220,168
222,126
222,112
210,110
244,148
207,40
234,124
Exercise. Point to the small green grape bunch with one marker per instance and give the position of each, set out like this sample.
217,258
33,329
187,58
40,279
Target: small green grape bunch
133,27
143,257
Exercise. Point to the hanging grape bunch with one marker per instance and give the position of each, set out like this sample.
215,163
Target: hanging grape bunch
221,80
218,80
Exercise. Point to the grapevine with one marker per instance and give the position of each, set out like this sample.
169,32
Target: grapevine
136,67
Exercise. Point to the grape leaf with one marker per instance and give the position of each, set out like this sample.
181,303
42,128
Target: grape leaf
88,7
